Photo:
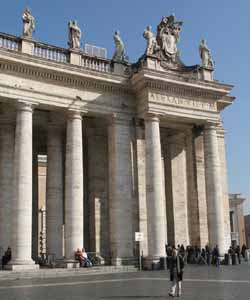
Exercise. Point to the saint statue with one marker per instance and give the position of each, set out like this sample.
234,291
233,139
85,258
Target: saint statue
74,35
205,55
119,54
28,23
152,45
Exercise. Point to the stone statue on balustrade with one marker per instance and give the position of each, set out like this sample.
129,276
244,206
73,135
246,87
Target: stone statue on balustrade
28,23
74,35
205,55
119,54
152,45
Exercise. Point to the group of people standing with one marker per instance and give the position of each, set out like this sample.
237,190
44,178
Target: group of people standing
177,257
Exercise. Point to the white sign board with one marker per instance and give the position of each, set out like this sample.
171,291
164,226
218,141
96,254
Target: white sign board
139,236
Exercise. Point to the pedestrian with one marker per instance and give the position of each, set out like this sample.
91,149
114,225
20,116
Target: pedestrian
176,266
208,254
215,256
237,251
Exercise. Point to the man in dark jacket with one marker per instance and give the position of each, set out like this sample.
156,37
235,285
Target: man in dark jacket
176,266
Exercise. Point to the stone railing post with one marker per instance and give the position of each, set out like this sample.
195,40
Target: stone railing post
27,46
75,57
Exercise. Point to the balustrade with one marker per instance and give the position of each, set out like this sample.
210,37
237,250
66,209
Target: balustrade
95,63
51,53
9,42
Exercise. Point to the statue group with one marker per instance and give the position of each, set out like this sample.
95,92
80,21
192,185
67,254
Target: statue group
163,45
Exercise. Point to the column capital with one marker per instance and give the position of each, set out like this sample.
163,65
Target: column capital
74,114
23,105
210,125
150,117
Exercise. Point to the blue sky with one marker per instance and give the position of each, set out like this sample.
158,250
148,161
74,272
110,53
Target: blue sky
223,23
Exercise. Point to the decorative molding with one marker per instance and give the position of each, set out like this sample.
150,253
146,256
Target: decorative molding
177,89
56,77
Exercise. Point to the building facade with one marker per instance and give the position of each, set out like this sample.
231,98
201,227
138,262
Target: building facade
237,223
129,148
247,230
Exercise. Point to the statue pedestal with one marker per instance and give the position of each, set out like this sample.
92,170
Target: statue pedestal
27,46
206,74
119,68
75,57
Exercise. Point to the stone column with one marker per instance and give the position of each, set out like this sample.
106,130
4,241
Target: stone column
156,213
73,188
35,197
141,183
201,186
120,192
213,188
192,207
224,185
98,187
7,134
179,188
22,201
54,194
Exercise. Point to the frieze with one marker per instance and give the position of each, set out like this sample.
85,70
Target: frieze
63,79
182,102
175,89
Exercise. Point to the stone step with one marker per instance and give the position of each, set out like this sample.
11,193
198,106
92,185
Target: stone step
60,272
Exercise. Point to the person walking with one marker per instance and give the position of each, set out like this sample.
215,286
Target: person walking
216,256
176,266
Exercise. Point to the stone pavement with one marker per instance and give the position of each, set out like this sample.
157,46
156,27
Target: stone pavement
201,282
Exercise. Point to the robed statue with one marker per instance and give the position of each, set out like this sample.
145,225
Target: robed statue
152,45
119,54
28,23
74,35
168,35
205,55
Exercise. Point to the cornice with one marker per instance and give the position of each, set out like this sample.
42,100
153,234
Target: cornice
179,85
64,74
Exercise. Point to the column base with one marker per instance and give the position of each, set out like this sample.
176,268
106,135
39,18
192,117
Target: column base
154,263
68,264
22,266
123,261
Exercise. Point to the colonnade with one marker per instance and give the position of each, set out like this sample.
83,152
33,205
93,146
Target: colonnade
16,197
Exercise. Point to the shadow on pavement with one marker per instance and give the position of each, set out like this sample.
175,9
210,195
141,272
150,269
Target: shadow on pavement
134,297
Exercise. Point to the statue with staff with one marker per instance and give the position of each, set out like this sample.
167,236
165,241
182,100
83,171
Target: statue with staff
28,23
74,35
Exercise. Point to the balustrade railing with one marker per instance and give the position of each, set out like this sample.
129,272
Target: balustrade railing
10,42
54,53
51,53
95,63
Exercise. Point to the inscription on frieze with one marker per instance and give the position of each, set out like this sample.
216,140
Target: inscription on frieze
183,102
